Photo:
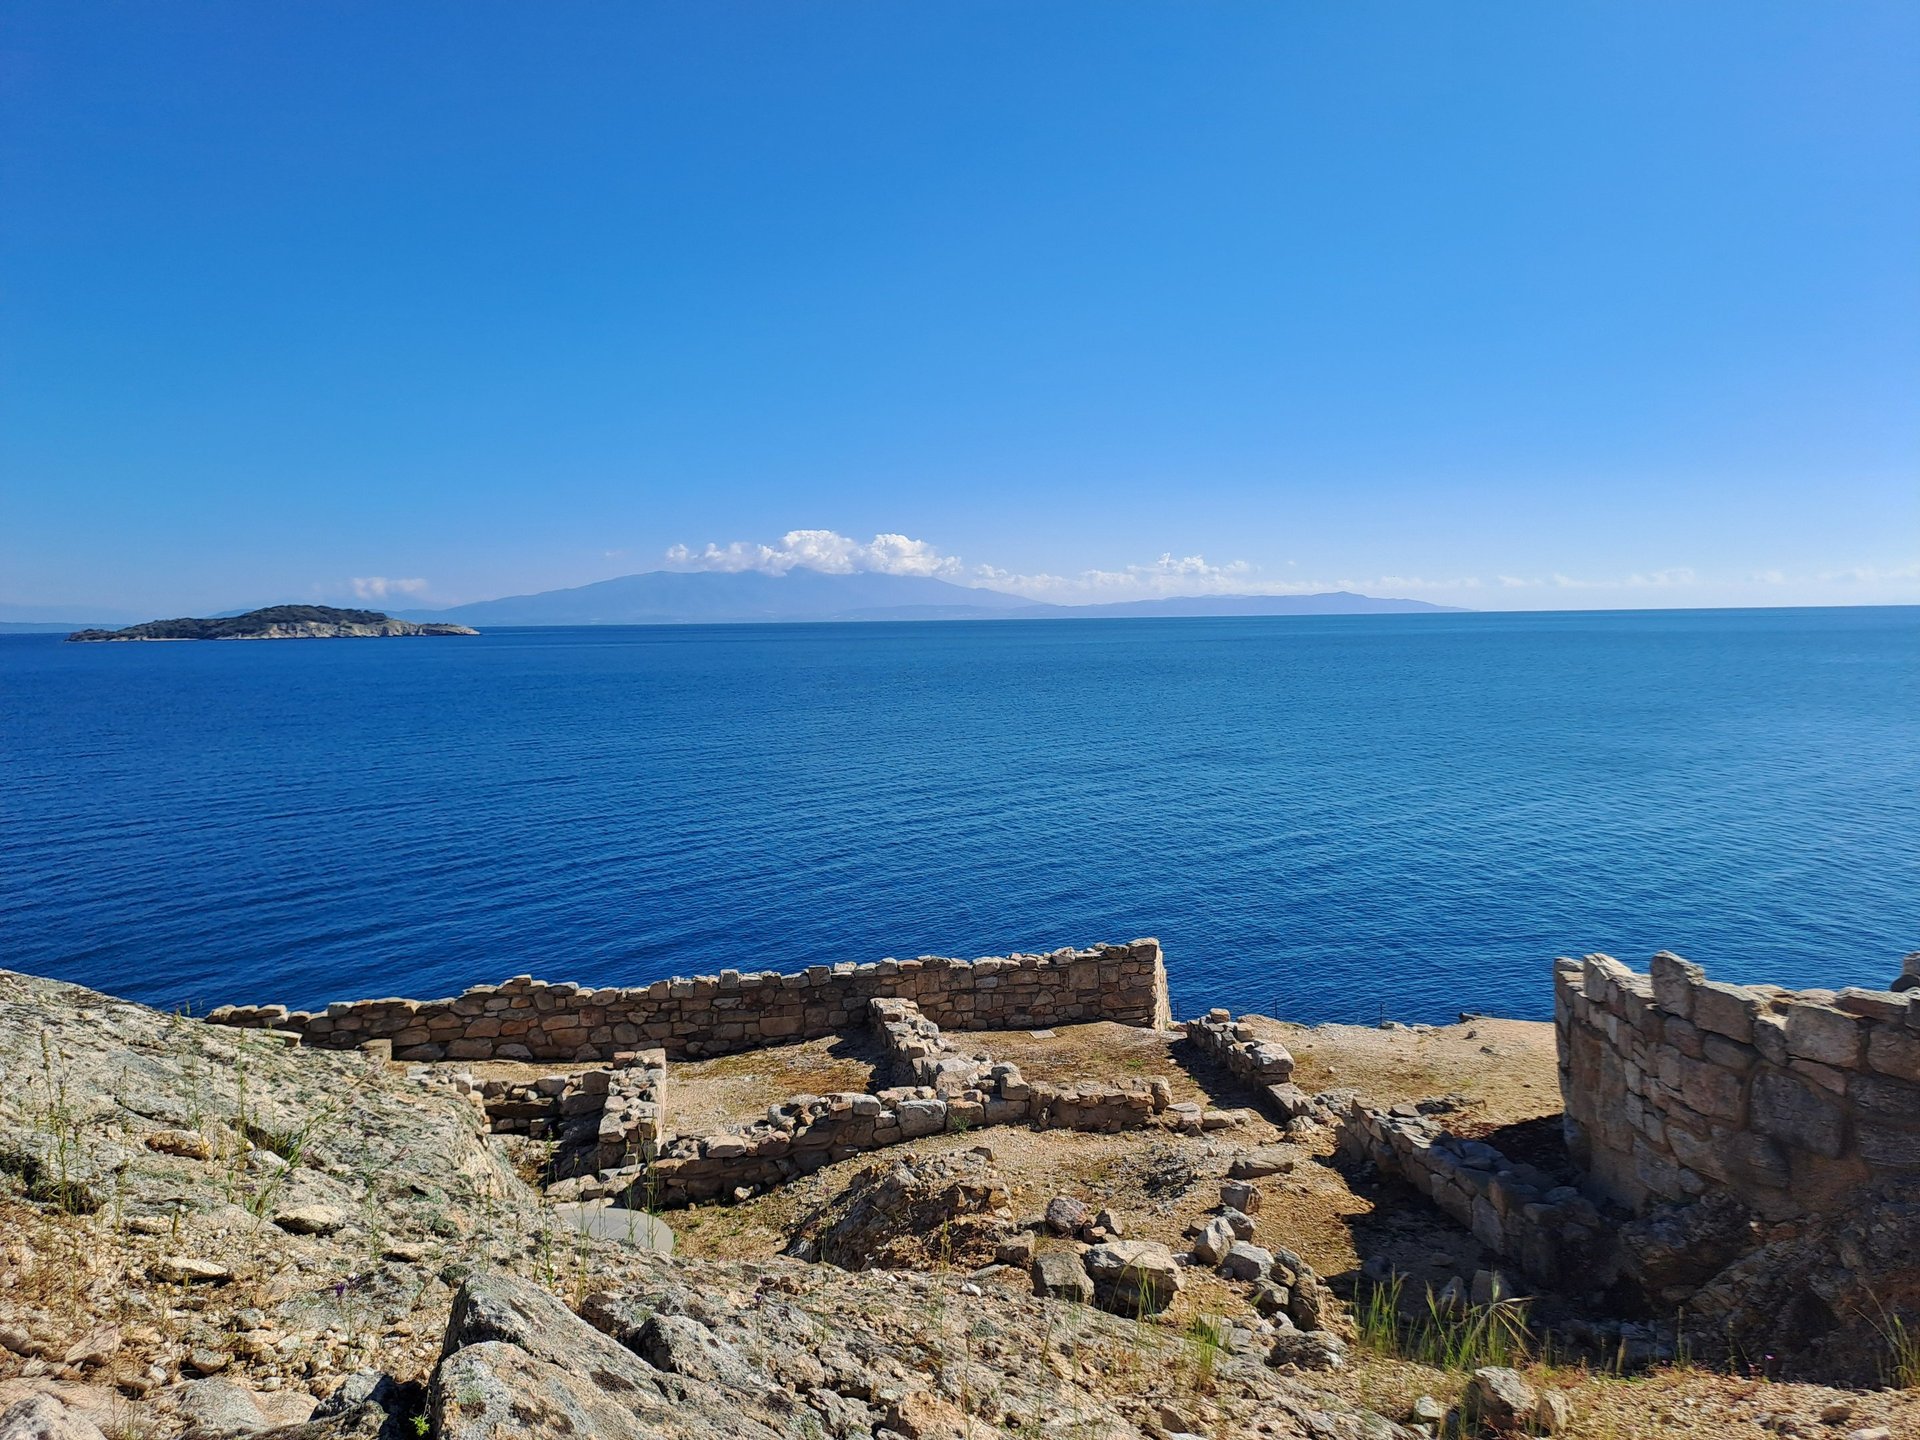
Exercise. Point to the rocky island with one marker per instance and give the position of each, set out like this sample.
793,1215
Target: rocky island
278,622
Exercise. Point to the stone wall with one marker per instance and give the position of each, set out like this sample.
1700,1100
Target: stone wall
525,1019
1267,1065
1556,1235
1788,1102
952,1090
598,1119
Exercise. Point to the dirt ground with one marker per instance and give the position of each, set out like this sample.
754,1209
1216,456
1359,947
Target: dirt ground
708,1095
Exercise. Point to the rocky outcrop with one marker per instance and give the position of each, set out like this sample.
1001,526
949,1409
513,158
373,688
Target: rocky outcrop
750,1352
294,1206
917,1212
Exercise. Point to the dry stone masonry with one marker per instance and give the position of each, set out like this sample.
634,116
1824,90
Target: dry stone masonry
1558,1236
690,1018
1788,1102
949,1090
1267,1065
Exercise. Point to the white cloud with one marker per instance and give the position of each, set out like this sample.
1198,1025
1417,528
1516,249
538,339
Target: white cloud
1676,576
1870,575
380,587
1169,575
824,550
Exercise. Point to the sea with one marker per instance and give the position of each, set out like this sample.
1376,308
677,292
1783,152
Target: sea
1349,818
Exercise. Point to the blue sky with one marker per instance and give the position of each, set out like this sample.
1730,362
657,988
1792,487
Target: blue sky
1516,306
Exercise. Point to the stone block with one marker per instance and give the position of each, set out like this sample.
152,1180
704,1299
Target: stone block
1787,1108
1674,980
1874,1004
1828,1078
1241,1195
1246,1261
1707,1089
1885,1101
1824,1033
1894,1051
1728,1055
1727,1010
1059,1275
1770,1037
1888,1149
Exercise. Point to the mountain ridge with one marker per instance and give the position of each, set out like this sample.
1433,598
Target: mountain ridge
801,595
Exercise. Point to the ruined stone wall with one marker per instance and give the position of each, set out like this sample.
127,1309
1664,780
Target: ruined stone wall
524,1019
1266,1065
1556,1235
953,1090
1787,1101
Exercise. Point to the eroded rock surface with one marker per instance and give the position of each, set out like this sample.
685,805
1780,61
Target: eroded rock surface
913,1212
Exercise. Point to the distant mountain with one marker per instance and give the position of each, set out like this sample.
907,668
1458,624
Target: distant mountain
708,597
1331,602
25,619
674,597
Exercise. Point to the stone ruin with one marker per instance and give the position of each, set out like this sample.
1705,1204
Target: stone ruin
609,1118
1746,1158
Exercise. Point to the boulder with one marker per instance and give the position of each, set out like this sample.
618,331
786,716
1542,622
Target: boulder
492,1390
1132,1277
915,1213
490,1308
1211,1245
1271,1160
1065,1215
1271,1298
613,1222
1059,1275
518,1362
1241,1195
218,1407
41,1417
1308,1350
1015,1250
1553,1413
310,1219
1246,1262
1499,1401
1428,1411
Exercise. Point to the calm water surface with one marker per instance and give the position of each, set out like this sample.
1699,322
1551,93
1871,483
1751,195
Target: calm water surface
1335,818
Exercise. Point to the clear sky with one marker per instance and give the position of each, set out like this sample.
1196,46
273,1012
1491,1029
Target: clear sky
1501,305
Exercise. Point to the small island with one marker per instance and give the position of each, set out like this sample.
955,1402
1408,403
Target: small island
278,622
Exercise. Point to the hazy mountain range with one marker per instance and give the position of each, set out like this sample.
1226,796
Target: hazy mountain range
672,597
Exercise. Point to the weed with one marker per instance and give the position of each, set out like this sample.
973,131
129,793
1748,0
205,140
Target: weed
1206,1337
1900,1366
1495,1333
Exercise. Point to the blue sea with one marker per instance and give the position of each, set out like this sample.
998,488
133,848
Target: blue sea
1341,818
